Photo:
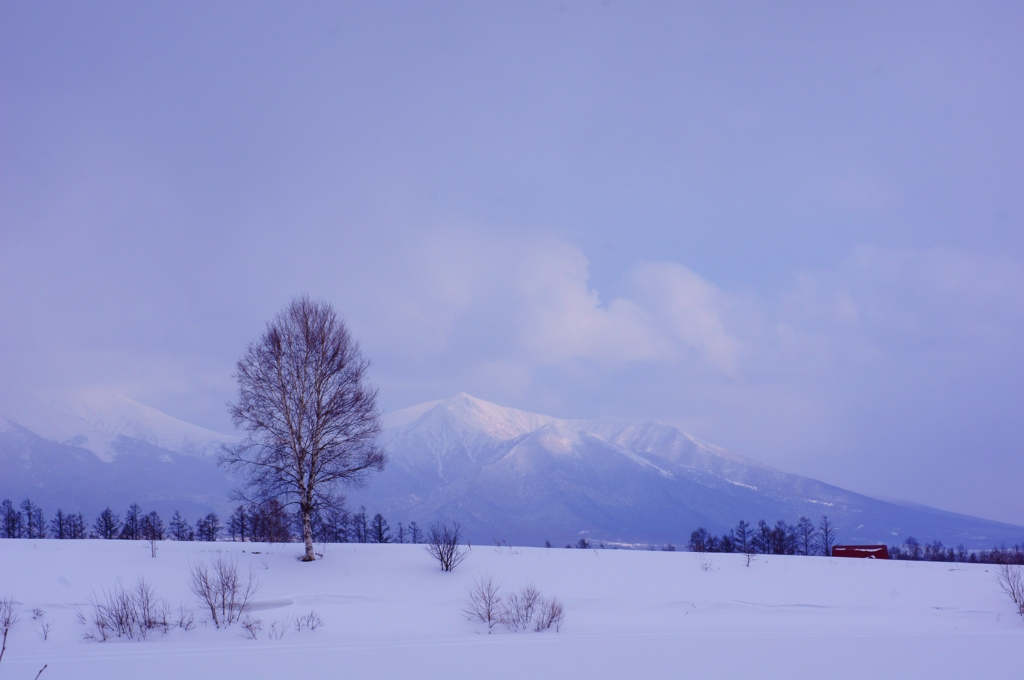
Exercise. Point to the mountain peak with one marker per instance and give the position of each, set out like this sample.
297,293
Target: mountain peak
466,412
95,420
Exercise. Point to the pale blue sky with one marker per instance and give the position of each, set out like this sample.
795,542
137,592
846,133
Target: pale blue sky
795,230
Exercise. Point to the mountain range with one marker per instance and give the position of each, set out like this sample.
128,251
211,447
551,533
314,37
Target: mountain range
525,478
505,474
100,449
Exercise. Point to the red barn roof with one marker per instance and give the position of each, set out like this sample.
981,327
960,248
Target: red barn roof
874,552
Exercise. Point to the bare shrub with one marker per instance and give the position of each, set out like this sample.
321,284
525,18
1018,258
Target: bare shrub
278,629
44,630
222,589
698,545
311,620
8,613
186,618
550,614
1011,580
37,613
518,609
252,627
484,602
128,612
443,544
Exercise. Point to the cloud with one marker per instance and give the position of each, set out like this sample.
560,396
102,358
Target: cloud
563,318
670,313
688,310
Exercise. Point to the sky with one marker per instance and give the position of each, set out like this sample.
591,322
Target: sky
795,230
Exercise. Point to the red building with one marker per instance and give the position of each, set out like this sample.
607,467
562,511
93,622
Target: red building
871,552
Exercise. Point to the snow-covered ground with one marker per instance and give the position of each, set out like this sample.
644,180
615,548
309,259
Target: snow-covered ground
389,612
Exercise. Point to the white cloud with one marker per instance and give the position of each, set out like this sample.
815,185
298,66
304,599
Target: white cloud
671,312
689,310
563,318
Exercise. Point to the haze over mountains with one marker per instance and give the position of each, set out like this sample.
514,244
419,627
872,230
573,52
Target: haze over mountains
94,450
505,474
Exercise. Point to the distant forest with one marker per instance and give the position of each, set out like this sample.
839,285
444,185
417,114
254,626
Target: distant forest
805,538
271,522
268,522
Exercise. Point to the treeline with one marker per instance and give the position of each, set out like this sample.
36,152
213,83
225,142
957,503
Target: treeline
912,549
29,521
269,522
804,538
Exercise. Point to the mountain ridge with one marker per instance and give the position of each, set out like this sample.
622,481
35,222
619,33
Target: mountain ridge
505,473
621,480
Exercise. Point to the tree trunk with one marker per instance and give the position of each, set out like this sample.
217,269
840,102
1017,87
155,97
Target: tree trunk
307,531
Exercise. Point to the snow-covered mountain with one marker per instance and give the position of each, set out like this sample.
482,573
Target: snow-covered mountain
504,473
100,421
86,452
526,478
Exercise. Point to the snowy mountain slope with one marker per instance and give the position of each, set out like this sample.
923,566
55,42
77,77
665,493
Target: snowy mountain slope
472,415
527,478
101,449
97,420
56,475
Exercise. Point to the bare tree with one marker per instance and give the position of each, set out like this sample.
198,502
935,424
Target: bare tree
180,529
806,536
107,525
35,525
77,527
484,602
60,525
131,530
239,524
380,532
743,538
699,540
270,523
1011,581
826,536
208,528
443,544
12,522
311,420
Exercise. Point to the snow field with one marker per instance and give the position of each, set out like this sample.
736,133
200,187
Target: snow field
389,612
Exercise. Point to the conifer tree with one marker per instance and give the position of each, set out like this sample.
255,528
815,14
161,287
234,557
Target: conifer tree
107,525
